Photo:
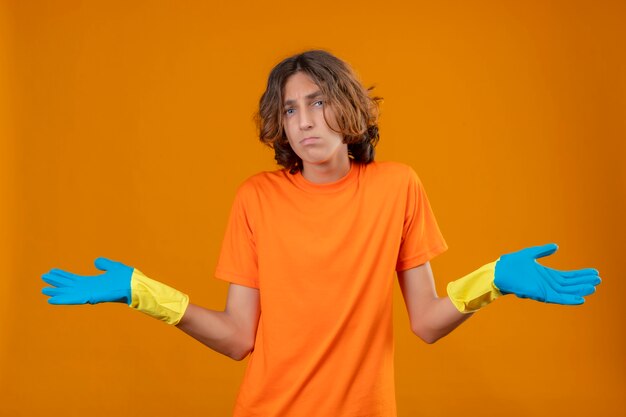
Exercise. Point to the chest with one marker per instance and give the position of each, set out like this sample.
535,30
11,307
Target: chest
313,228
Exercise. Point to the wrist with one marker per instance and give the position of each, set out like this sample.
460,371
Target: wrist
157,299
497,279
475,290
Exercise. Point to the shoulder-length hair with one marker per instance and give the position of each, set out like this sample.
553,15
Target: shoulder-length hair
356,112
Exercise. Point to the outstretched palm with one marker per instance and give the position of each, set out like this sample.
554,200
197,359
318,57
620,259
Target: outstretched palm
69,288
519,273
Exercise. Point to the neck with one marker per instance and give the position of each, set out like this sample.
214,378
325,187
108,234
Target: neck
330,171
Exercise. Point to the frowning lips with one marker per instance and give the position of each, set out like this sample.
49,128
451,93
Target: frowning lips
309,139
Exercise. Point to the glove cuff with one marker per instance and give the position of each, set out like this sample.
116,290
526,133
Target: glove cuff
475,290
157,299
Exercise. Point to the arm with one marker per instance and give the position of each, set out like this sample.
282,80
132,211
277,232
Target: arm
230,332
431,317
516,273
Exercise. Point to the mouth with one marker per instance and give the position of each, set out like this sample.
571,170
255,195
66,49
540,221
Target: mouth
310,139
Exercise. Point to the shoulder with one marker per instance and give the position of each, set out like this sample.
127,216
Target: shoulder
264,180
392,170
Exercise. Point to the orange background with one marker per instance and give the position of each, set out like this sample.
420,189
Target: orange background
127,126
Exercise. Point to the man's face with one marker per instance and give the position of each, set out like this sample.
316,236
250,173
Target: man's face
303,116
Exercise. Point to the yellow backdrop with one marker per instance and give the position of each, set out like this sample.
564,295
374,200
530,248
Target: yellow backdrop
127,126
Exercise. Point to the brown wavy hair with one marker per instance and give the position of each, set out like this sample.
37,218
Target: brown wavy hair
356,112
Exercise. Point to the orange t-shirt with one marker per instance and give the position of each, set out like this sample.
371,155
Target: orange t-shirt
323,257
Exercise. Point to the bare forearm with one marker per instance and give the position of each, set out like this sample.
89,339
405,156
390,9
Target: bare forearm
431,317
217,330
439,318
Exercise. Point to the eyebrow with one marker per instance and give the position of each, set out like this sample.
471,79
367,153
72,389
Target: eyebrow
309,96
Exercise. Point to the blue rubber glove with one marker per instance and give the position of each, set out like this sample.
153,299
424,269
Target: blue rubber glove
519,273
112,286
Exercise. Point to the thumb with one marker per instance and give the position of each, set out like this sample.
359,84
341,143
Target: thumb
104,264
543,250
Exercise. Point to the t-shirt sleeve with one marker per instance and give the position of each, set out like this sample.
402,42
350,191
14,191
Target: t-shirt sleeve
421,238
238,261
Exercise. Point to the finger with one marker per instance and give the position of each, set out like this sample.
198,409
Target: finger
543,250
567,299
58,280
576,272
71,299
104,264
565,279
588,280
53,291
63,273
579,290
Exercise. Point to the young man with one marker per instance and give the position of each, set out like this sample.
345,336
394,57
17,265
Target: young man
310,252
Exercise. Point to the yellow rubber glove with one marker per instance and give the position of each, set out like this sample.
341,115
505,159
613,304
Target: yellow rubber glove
475,290
157,299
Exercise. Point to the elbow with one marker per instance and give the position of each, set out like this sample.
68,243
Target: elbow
240,354
241,349
428,336
430,340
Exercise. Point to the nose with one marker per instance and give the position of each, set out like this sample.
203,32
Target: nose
306,119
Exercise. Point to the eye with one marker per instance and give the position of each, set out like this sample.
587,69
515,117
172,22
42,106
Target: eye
287,112
319,101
